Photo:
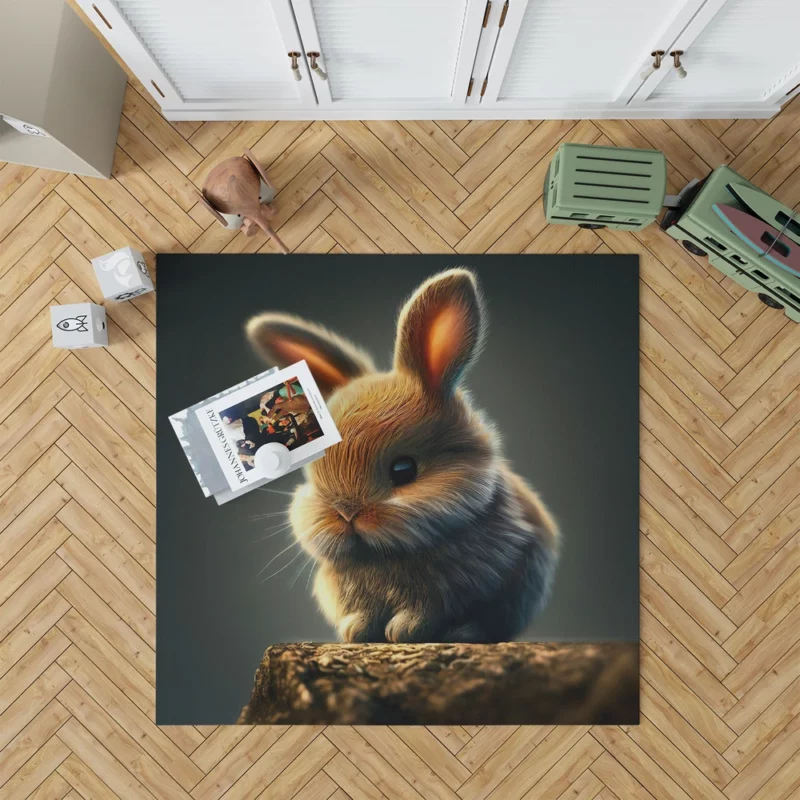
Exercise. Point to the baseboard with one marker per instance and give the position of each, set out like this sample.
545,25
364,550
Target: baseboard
651,111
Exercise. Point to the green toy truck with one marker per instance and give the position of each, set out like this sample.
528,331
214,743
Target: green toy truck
605,187
701,231
609,187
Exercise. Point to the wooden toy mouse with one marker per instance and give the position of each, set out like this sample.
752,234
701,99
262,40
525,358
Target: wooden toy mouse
233,187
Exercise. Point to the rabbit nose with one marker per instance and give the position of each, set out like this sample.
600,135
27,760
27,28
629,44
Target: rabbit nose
346,511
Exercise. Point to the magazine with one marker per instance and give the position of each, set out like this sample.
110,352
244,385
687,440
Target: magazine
283,406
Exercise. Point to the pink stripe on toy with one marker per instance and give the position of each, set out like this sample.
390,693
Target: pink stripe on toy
764,239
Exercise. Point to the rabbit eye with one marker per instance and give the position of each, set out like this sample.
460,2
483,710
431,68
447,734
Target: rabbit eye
403,470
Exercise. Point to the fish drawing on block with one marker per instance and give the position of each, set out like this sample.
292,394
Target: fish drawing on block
77,324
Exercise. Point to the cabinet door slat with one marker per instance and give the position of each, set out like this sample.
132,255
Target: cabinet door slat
390,50
746,51
582,50
214,51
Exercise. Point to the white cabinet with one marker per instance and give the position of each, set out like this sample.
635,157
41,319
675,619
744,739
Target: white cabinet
579,52
584,58
202,55
734,51
390,53
334,59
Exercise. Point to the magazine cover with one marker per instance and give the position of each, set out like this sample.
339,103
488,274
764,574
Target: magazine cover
284,407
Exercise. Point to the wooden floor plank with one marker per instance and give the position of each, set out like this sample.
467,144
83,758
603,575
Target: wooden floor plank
475,134
31,629
719,512
12,176
305,142
103,655
767,617
501,180
159,131
685,412
761,588
677,730
30,267
500,146
138,725
99,724
234,764
394,192
684,592
36,769
154,199
109,479
437,143
112,519
25,199
419,161
774,720
153,161
92,770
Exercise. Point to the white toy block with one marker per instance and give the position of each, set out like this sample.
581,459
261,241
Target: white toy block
122,274
78,325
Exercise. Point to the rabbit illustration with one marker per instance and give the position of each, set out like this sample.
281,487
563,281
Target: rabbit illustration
421,531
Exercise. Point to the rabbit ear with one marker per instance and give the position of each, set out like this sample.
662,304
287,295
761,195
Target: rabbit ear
283,339
441,330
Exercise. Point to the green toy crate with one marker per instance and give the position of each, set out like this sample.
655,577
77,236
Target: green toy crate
696,225
605,187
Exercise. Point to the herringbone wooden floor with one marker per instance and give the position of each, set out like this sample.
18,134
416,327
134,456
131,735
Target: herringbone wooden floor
720,506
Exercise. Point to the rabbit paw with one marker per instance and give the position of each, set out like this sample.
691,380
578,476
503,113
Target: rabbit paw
466,632
405,626
354,628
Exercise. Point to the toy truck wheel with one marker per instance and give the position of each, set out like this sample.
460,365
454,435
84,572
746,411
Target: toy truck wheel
592,226
693,248
769,301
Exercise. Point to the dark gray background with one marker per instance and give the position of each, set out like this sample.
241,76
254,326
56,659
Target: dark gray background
563,338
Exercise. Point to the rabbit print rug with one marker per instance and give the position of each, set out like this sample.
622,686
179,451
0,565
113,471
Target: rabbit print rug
465,551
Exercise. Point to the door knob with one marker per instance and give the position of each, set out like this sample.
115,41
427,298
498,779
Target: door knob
676,59
295,67
657,56
313,56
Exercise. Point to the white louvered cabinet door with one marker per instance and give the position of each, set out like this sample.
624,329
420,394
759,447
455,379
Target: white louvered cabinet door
391,54
205,54
745,51
553,54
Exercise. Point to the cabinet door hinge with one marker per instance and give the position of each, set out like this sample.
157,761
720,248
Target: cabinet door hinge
503,15
486,13
469,88
483,88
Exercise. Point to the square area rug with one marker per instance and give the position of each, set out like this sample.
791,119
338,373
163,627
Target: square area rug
467,554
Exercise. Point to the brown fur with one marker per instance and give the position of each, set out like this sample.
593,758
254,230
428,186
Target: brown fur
467,550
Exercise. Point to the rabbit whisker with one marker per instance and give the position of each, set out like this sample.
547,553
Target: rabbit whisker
271,535
277,524
293,544
302,569
271,514
297,555
276,491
